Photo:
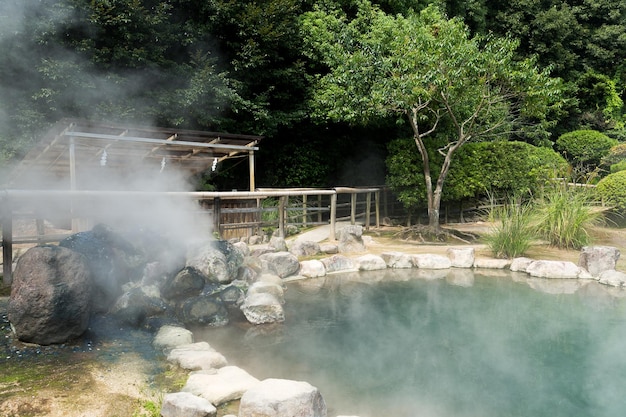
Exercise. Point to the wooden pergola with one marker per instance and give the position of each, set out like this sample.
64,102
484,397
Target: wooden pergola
74,154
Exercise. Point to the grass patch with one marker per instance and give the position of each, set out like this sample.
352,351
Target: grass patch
564,217
513,233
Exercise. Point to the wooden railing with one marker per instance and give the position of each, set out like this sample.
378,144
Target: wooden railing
303,207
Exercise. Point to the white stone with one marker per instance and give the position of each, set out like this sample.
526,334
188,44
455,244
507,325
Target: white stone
371,262
554,269
338,263
597,259
329,248
263,308
304,248
185,404
221,386
197,356
461,257
169,337
312,269
520,264
489,263
282,398
613,278
430,261
397,260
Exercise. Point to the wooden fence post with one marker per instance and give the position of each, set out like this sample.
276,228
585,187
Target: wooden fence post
281,216
368,210
333,216
217,208
377,207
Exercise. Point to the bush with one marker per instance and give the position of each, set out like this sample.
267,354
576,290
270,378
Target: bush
502,168
585,147
612,190
564,217
620,166
616,154
512,237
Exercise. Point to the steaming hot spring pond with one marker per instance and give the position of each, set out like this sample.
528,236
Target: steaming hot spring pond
396,343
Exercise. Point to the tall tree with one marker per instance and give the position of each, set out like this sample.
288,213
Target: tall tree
428,71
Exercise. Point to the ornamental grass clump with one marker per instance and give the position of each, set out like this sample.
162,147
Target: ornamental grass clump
513,234
565,216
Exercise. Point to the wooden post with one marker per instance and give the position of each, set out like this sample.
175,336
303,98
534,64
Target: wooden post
282,203
251,168
7,246
352,208
368,210
304,210
377,207
217,208
333,216
319,206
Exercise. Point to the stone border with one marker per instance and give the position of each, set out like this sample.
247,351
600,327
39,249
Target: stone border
213,382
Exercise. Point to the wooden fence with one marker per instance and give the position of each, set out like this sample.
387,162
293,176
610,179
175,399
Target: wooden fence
235,214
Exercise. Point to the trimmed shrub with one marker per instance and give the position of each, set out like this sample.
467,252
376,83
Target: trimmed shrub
586,147
620,166
612,190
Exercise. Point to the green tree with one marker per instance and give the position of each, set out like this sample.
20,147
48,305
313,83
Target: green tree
429,71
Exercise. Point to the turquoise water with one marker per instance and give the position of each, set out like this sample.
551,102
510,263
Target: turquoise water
465,345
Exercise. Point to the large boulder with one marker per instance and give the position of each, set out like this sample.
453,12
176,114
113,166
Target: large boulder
112,260
204,309
220,386
339,263
217,260
397,260
197,356
555,269
461,257
312,268
301,247
51,295
282,398
261,308
137,304
282,264
351,239
371,262
613,278
431,261
597,259
185,404
169,337
188,282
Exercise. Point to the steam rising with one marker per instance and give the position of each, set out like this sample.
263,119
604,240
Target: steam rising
90,94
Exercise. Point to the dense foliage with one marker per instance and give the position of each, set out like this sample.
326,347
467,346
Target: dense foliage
480,169
429,71
243,66
612,190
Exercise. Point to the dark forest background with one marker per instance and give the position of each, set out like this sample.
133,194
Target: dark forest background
238,66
